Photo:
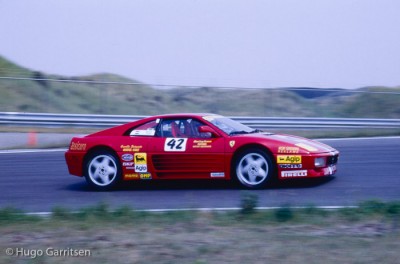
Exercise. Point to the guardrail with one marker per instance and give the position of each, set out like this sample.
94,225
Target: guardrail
103,121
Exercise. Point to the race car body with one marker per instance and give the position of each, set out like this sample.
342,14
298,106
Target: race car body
195,146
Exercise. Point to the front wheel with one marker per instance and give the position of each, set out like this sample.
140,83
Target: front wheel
103,171
254,169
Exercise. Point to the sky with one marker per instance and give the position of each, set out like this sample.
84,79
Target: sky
225,43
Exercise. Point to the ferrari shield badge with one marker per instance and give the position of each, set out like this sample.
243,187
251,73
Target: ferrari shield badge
232,143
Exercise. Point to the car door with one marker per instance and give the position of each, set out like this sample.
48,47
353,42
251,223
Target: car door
179,151
132,149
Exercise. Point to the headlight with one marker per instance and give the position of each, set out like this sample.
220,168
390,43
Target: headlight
320,162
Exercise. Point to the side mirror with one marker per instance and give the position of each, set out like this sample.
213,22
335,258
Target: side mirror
209,130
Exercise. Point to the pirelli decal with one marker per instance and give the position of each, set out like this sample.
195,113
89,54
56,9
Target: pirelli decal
288,159
297,173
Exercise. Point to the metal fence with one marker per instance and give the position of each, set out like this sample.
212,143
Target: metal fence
103,121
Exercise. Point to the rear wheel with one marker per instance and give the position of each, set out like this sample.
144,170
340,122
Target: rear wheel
254,169
103,170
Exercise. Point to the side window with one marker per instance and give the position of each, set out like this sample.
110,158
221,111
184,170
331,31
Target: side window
182,128
173,128
147,129
195,124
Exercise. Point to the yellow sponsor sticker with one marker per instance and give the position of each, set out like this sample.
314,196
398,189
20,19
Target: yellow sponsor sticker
140,158
288,159
145,176
140,162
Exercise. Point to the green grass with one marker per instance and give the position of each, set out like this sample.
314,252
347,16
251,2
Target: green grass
369,233
249,213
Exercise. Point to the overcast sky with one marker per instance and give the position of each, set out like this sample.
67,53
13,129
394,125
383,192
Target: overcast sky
241,43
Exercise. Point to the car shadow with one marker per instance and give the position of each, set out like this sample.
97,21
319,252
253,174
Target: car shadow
301,183
164,185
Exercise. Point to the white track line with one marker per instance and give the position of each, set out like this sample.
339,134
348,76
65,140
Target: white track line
205,209
16,151
357,138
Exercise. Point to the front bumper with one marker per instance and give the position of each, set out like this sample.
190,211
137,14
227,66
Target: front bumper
306,168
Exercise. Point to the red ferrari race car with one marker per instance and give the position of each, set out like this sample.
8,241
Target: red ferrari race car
195,146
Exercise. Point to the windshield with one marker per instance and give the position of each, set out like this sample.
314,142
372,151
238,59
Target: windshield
229,126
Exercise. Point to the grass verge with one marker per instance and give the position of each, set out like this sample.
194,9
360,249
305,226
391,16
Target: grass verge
369,233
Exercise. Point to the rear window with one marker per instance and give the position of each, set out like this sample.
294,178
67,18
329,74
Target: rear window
147,129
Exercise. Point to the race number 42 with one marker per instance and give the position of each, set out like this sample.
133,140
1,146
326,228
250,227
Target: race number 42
175,144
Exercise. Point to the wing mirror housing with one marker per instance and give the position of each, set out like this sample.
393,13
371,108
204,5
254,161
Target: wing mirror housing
209,130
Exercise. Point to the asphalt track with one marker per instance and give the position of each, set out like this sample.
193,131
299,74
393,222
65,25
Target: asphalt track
38,181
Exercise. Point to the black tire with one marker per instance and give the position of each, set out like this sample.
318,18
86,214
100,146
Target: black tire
254,169
103,170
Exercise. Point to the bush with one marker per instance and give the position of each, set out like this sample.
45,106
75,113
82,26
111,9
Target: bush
372,207
314,211
393,209
11,215
249,202
284,214
60,213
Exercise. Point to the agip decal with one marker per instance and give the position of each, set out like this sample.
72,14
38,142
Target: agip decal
140,162
288,159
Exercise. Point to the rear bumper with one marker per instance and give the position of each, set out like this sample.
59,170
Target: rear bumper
75,162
